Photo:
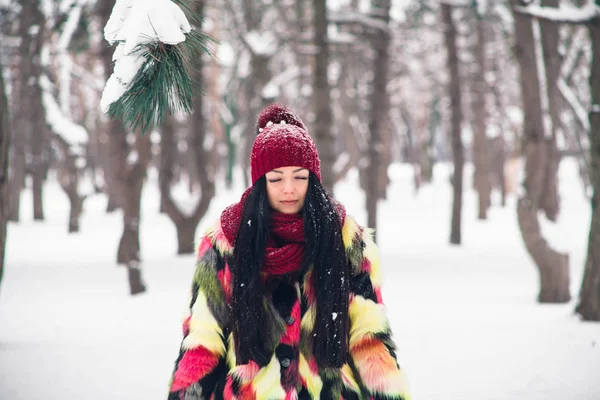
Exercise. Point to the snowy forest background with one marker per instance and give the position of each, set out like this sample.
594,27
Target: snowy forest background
466,132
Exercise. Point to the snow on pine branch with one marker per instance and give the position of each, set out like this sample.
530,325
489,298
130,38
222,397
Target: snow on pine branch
132,24
589,12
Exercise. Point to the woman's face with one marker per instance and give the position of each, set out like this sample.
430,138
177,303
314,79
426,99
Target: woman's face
286,189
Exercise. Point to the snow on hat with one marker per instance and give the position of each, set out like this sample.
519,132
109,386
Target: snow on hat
282,141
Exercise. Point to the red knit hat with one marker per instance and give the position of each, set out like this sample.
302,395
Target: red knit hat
282,141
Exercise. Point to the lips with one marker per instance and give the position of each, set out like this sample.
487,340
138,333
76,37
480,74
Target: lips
289,202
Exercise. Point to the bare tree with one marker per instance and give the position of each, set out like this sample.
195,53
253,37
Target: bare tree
589,297
379,107
39,135
456,119
28,113
552,265
480,114
321,95
203,168
128,172
5,134
552,61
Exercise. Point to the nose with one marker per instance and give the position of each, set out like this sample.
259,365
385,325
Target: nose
288,186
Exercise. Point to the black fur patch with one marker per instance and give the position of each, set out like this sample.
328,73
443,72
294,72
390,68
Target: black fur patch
209,382
303,395
285,351
195,289
284,297
348,394
361,285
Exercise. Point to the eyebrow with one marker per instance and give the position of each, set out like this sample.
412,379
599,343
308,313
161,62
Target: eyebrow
294,171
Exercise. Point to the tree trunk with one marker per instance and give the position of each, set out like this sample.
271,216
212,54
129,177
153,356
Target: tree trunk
456,118
257,79
552,62
126,179
68,177
321,96
552,265
5,136
39,139
128,252
480,118
379,109
203,167
589,296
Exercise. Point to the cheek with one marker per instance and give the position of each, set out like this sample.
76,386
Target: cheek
271,194
302,191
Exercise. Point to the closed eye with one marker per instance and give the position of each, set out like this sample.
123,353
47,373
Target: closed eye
302,177
275,180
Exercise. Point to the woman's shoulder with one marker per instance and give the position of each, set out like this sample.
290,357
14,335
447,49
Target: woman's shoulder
355,234
214,237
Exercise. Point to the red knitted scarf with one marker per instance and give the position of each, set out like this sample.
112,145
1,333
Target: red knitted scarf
285,248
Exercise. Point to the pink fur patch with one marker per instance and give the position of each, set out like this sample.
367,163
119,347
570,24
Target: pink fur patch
228,391
309,293
375,364
313,366
224,276
291,395
246,372
292,332
221,241
186,326
378,295
246,392
205,244
194,365
366,265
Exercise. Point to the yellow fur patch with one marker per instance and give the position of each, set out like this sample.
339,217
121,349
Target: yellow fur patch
366,318
349,231
267,383
204,328
231,358
348,378
314,384
371,252
308,320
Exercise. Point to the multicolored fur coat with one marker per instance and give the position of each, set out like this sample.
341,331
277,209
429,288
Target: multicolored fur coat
206,367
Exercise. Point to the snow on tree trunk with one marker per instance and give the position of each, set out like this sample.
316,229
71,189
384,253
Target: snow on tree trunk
322,129
456,119
378,112
5,136
552,265
552,63
589,297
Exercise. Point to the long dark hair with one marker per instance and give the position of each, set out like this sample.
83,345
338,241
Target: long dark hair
324,249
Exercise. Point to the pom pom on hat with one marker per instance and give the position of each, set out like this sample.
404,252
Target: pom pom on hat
277,113
282,141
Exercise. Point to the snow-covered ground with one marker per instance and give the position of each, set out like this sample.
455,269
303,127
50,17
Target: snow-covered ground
465,318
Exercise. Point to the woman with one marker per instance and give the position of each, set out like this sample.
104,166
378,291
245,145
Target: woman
286,300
